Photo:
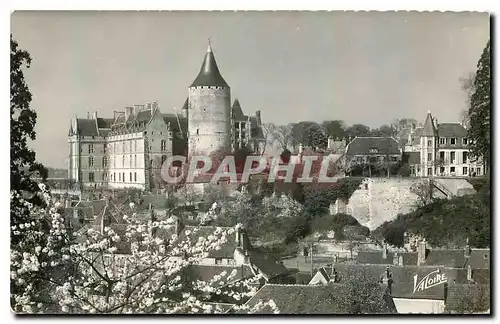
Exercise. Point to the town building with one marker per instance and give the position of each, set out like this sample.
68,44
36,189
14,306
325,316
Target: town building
441,149
128,150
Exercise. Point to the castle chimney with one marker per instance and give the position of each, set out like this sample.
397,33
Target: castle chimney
128,112
238,236
406,240
94,115
469,273
421,252
257,114
467,248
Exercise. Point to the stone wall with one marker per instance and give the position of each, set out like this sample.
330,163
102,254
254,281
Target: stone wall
379,200
209,122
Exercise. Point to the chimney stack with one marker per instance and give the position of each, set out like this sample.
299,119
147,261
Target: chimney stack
384,250
421,252
128,112
395,259
469,273
406,240
467,249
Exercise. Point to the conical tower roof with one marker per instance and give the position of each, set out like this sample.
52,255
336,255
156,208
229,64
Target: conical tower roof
209,73
429,129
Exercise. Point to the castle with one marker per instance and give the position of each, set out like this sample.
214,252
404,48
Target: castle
128,150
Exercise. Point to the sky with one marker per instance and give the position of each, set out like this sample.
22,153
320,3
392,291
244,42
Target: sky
360,67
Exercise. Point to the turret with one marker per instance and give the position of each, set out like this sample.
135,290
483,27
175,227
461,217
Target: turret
209,123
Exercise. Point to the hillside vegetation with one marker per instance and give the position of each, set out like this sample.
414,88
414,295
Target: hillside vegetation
445,223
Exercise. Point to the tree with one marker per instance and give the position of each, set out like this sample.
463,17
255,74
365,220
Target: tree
284,136
423,190
480,109
315,137
269,131
358,130
471,299
384,131
29,225
467,85
334,128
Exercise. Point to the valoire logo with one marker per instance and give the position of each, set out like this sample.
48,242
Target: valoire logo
431,280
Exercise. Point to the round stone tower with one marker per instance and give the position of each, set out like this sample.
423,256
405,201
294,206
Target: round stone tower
209,109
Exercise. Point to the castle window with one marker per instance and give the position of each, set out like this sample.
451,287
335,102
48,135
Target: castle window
452,157
197,131
91,148
104,148
429,143
91,161
135,176
442,141
464,170
429,157
123,177
130,146
114,176
163,145
130,161
119,176
163,159
104,162
130,176
464,157
464,141
452,169
123,161
135,161
453,141
91,176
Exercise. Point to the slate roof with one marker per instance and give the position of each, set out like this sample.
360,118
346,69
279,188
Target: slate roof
451,130
209,73
479,258
237,112
104,122
448,258
186,104
157,201
86,127
269,266
376,257
429,128
174,122
362,146
255,129
305,299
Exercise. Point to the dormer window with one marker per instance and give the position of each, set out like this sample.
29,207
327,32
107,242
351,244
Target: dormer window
442,141
464,141
453,141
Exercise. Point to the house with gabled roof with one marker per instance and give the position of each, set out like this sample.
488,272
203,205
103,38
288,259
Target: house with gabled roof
333,298
441,149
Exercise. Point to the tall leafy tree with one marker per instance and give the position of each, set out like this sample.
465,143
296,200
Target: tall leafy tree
23,165
358,130
334,128
480,109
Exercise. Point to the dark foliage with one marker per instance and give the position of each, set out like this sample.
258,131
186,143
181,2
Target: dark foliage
444,223
480,109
